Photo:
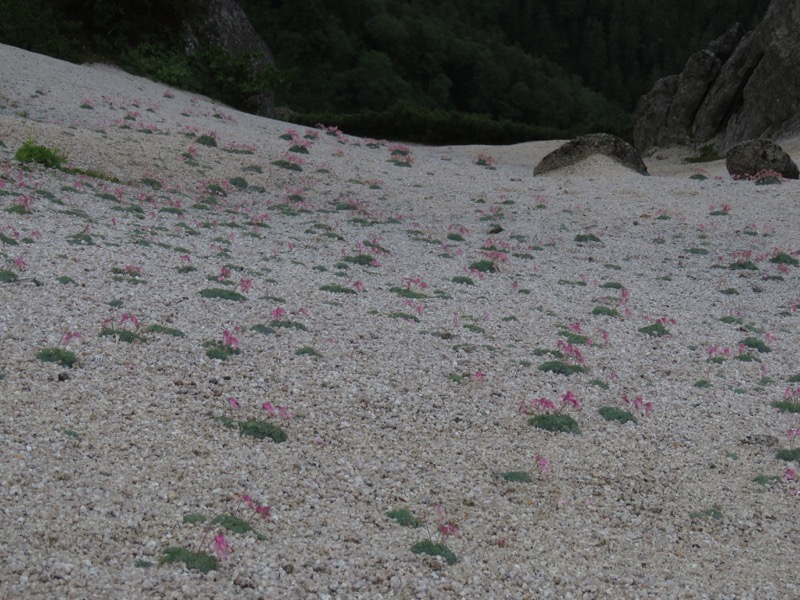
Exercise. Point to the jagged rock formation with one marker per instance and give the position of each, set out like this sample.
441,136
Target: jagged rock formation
584,146
752,157
226,26
742,87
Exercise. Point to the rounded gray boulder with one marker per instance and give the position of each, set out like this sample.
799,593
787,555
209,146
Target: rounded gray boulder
584,146
753,156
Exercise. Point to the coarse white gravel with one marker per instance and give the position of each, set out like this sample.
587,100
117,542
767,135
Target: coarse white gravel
100,463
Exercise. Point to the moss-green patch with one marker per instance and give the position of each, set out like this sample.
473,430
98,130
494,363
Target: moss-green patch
765,480
81,239
789,454
702,383
33,152
287,324
697,251
223,294
64,280
363,260
786,406
784,258
614,413
583,238
606,311
599,383
335,288
483,266
262,430
462,280
434,549
194,561
194,518
404,316
165,330
562,368
743,265
404,517
515,476
65,358
556,422
7,276
408,293
236,525
654,330
755,344
731,320
308,351
474,328
569,282
612,285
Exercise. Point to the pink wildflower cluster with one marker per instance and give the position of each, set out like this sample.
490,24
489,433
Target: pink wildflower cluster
638,404
484,160
571,353
545,405
229,340
446,527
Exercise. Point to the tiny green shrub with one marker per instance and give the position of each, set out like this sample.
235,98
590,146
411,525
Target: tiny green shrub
31,152
515,476
194,561
756,344
216,350
784,258
462,280
408,293
262,430
263,329
236,525
555,422
308,351
613,413
223,294
562,368
654,330
65,358
586,237
206,140
7,276
124,335
335,288
703,383
404,517
483,266
606,311
434,549
165,330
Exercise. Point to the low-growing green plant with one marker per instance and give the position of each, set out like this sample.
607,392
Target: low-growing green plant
562,368
483,266
263,329
582,238
555,422
123,335
614,413
206,140
194,561
308,351
8,276
516,476
223,294
606,311
165,330
654,330
335,288
62,356
755,344
462,280
30,151
404,517
435,549
262,430
405,292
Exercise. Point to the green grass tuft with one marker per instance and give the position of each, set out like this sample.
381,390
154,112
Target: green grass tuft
613,413
335,288
605,311
223,294
194,561
404,517
560,367
654,330
165,330
756,344
308,351
32,152
555,422
434,549
262,430
460,279
515,476
65,358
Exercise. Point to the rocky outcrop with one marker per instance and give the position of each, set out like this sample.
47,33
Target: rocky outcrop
584,146
225,25
742,87
752,157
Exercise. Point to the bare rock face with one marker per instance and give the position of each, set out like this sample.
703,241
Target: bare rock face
226,26
742,87
751,157
584,146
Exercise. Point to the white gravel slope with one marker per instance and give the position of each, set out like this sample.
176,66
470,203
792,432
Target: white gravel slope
98,471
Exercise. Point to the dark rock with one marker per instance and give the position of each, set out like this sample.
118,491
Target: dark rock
584,146
64,376
742,87
225,25
748,158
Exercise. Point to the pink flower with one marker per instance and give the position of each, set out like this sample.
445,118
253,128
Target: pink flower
229,340
479,375
234,403
790,474
284,413
245,284
264,511
221,547
359,285
20,263
544,404
544,466
575,327
269,408
278,313
249,501
570,398
185,258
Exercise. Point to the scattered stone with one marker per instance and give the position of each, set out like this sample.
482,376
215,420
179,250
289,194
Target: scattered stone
584,146
751,157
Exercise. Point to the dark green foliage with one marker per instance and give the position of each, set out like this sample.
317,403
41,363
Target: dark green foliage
461,279
194,561
260,328
713,512
560,367
64,279
698,251
784,258
612,285
605,311
288,325
408,293
223,294
703,383
65,358
334,288
586,237
403,315
789,454
194,518
756,344
81,239
308,351
262,430
766,479
124,335
555,422
434,549
744,265
483,266
786,406
515,476
7,276
165,330
32,152
236,525
599,383
613,413
364,260
219,351
404,517
794,378
654,330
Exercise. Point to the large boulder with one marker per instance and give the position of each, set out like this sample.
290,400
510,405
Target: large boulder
751,157
742,87
223,24
584,146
